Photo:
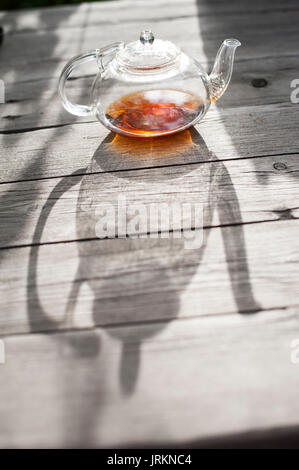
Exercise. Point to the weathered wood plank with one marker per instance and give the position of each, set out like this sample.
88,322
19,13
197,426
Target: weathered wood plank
127,11
253,190
147,284
72,285
36,103
155,384
227,132
47,51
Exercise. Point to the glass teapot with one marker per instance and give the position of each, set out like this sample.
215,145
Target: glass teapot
149,87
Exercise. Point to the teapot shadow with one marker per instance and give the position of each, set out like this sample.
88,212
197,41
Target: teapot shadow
139,281
134,296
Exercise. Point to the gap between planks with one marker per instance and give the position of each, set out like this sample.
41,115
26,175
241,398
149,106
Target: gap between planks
90,239
121,170
174,393
271,314
24,201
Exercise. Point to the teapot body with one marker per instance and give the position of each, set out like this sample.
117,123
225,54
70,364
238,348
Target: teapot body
149,87
153,103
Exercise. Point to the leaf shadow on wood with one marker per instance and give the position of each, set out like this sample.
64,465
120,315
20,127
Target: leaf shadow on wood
225,27
18,212
27,43
142,279
75,349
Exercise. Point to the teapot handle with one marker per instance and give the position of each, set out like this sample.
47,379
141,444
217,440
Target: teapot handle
95,54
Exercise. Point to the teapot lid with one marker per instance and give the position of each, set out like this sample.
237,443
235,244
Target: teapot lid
148,52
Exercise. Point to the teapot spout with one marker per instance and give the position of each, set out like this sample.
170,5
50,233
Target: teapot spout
223,67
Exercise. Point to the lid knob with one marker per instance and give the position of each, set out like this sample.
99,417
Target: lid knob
147,37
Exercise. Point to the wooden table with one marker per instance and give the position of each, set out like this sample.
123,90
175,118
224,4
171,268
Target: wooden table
133,342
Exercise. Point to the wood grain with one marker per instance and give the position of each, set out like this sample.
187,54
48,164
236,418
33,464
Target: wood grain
168,383
47,51
36,103
251,267
114,12
229,134
242,190
141,341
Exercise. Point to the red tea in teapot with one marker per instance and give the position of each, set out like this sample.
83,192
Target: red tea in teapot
154,112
